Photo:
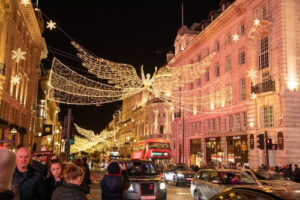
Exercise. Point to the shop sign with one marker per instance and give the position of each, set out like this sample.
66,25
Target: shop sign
251,141
212,139
236,137
238,157
280,140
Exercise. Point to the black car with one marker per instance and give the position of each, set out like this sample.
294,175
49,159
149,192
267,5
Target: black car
145,182
178,173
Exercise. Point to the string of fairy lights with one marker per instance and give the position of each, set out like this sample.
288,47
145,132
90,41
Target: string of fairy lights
90,139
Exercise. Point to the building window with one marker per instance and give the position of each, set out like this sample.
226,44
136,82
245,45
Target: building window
198,81
217,46
268,116
244,117
213,122
219,125
191,85
199,58
230,123
207,75
207,52
264,12
199,106
207,126
237,122
242,89
263,55
228,38
242,57
217,70
228,63
191,129
242,29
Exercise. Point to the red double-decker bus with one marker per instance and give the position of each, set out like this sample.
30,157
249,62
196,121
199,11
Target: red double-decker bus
153,149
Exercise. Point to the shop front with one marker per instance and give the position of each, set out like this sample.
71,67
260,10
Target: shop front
214,154
237,150
196,153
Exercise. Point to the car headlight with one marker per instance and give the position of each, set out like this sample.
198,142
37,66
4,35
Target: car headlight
180,175
162,186
130,188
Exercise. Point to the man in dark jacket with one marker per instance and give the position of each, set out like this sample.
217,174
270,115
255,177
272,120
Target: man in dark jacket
296,174
113,183
27,182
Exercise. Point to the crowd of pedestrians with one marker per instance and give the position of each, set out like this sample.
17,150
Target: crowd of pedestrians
25,178
288,171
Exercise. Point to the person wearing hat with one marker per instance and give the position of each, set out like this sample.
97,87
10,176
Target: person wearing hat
113,183
7,166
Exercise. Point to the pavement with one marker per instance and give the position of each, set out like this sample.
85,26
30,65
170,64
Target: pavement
173,192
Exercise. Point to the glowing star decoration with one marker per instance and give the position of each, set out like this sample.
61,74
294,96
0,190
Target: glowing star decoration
51,25
253,96
252,74
18,54
15,79
235,37
25,2
256,22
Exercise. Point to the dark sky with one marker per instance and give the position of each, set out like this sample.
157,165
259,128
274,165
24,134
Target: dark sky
137,32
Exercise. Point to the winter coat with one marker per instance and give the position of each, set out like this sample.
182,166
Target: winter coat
30,184
296,177
112,187
68,191
7,195
51,185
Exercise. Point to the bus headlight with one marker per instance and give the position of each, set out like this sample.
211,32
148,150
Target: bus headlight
162,186
130,188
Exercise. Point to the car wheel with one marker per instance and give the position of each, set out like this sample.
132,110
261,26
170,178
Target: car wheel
175,181
197,196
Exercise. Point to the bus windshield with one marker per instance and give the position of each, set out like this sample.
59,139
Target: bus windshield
156,145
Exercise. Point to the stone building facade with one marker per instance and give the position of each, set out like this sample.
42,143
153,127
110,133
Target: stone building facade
256,45
21,28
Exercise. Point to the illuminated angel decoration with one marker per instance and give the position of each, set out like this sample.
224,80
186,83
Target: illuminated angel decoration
118,81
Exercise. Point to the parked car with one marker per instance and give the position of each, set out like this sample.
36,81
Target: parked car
280,185
145,182
245,194
209,182
178,173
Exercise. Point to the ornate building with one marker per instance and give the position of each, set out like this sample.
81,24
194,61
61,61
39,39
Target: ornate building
257,52
21,49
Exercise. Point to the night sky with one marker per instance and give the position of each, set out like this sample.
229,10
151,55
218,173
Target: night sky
134,32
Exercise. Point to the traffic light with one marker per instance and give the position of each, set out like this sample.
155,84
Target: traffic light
261,141
269,144
71,140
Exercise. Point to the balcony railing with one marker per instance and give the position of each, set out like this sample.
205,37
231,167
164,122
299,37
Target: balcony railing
266,86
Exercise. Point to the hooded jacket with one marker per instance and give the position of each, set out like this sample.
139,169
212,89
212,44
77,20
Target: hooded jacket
112,187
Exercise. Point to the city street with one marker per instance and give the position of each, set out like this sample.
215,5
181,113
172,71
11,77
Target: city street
178,193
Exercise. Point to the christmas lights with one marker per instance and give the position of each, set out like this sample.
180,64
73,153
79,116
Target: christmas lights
18,55
51,25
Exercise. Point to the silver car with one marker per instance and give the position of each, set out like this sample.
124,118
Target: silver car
280,185
209,182
145,182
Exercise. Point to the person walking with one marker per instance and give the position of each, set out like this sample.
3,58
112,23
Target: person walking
27,182
7,166
113,184
296,173
70,189
55,176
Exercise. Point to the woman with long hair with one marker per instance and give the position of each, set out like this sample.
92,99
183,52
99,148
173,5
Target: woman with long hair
70,189
55,176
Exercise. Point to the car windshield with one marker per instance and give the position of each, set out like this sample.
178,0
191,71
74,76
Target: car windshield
235,178
156,145
181,168
140,168
267,175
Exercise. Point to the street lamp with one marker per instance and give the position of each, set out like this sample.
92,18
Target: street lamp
13,131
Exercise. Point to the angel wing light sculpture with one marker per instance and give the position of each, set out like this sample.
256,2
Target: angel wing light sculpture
122,81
